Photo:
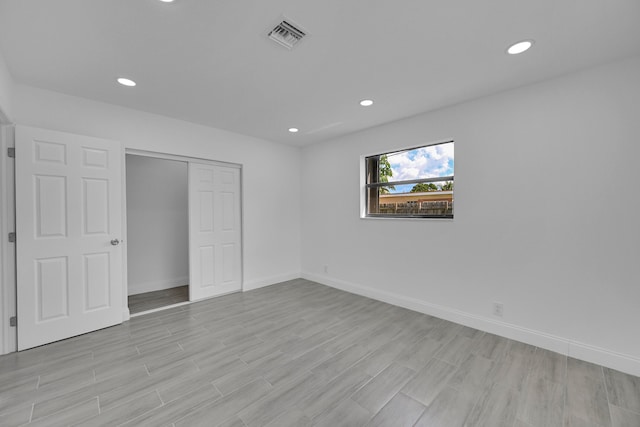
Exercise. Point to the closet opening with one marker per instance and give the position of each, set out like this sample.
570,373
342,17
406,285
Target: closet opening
157,202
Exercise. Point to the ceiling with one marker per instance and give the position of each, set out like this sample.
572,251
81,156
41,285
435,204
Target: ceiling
210,61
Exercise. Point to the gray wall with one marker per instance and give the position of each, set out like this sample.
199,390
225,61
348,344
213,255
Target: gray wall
157,224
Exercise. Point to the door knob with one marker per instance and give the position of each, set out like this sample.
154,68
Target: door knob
115,242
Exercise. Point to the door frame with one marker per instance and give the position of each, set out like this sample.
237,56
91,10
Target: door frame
8,297
8,255
188,160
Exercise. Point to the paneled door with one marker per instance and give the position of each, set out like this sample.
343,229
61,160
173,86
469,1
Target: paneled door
68,225
214,230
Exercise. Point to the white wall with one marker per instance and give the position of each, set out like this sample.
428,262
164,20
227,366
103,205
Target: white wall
271,188
6,91
157,224
546,216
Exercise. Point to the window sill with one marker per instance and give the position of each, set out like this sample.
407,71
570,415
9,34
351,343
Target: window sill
410,218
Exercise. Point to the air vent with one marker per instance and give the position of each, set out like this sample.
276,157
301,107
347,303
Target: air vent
286,35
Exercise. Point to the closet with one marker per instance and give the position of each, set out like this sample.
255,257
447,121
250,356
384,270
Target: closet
183,230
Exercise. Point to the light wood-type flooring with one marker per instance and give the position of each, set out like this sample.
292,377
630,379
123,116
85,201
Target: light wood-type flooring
156,299
302,354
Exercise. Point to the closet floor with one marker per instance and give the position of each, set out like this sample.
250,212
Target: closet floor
157,299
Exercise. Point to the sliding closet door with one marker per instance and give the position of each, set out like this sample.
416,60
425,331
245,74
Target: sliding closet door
214,230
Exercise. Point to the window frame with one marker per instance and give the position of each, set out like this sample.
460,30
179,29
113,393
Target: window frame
367,170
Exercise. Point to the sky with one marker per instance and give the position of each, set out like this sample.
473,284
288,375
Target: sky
426,162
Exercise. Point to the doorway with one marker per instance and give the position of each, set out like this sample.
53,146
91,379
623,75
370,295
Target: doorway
157,232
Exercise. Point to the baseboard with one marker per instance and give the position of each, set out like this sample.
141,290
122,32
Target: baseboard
610,359
578,350
268,281
160,285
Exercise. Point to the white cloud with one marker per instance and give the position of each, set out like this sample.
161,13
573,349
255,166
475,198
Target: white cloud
425,162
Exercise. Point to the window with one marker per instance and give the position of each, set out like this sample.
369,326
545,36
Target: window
412,183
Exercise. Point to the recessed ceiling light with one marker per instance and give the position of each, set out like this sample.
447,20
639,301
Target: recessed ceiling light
366,102
520,47
126,82
293,130
166,1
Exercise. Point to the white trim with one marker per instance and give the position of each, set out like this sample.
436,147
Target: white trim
405,218
578,350
422,193
235,291
4,246
242,235
8,334
158,285
268,281
180,158
610,359
126,314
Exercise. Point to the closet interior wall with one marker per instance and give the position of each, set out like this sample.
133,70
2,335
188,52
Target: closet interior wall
157,224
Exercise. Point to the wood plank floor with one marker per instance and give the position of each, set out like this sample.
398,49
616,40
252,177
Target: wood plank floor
302,354
156,299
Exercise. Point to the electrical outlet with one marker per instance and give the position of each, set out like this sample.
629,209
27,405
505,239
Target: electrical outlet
498,309
326,269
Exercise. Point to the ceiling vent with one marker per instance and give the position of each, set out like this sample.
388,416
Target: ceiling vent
286,34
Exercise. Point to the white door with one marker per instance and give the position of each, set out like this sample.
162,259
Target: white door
68,225
214,230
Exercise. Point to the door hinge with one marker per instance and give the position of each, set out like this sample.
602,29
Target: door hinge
12,237
11,152
13,321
